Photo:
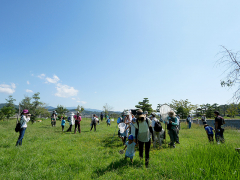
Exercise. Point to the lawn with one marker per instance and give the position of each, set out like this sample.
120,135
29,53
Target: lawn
47,153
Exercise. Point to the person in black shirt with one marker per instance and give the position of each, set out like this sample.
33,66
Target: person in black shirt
219,121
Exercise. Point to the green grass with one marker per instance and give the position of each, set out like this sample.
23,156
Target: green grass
47,153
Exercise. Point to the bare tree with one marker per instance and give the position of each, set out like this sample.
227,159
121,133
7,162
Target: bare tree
231,61
106,109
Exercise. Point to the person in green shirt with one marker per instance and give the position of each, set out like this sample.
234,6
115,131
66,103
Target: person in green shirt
172,128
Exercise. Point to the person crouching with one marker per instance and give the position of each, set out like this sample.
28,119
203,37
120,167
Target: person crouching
209,131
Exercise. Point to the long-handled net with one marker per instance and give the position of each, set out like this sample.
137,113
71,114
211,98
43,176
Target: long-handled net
164,110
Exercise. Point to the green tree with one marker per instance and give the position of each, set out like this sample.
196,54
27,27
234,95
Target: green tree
185,105
145,106
61,110
2,115
80,109
10,102
232,110
9,109
34,106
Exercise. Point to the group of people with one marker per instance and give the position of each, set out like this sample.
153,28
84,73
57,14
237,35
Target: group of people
144,130
139,129
219,130
72,119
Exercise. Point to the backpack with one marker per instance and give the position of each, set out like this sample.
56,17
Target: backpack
223,121
158,126
18,127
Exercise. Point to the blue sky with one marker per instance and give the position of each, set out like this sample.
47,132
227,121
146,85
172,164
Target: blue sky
117,52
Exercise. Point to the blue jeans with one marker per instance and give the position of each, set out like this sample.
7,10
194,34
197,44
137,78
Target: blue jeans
22,132
189,125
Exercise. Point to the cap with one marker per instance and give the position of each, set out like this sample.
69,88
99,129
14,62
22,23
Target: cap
130,137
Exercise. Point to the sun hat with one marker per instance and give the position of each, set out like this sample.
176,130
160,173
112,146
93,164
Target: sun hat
126,113
25,111
130,137
139,112
171,113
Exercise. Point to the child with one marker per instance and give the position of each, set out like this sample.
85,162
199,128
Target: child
131,125
209,131
130,145
63,123
108,122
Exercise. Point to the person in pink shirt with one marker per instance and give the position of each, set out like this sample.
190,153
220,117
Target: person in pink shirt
77,122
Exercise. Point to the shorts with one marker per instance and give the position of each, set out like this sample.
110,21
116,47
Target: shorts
131,157
210,137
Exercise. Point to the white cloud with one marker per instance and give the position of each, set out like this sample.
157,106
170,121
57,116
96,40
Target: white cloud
83,102
41,76
29,91
65,91
28,82
73,98
95,92
8,89
54,80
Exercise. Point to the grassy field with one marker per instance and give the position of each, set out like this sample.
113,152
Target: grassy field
47,153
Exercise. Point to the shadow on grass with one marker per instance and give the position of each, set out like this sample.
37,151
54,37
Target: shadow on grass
119,165
112,142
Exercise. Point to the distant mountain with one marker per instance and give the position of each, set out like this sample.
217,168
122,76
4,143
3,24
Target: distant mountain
4,104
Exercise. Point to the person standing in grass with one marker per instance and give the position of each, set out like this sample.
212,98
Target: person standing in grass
204,120
130,145
101,116
71,122
189,119
25,117
94,122
155,134
209,131
219,121
63,123
54,118
108,122
172,129
77,118
143,129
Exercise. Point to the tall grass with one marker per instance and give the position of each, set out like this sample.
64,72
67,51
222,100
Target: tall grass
47,153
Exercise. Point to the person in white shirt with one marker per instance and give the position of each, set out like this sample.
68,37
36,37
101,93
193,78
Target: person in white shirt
94,122
155,134
25,117
71,122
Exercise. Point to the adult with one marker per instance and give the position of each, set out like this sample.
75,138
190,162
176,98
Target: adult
155,134
71,122
77,118
143,129
204,119
25,117
54,118
219,121
93,122
178,129
101,116
189,120
172,129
